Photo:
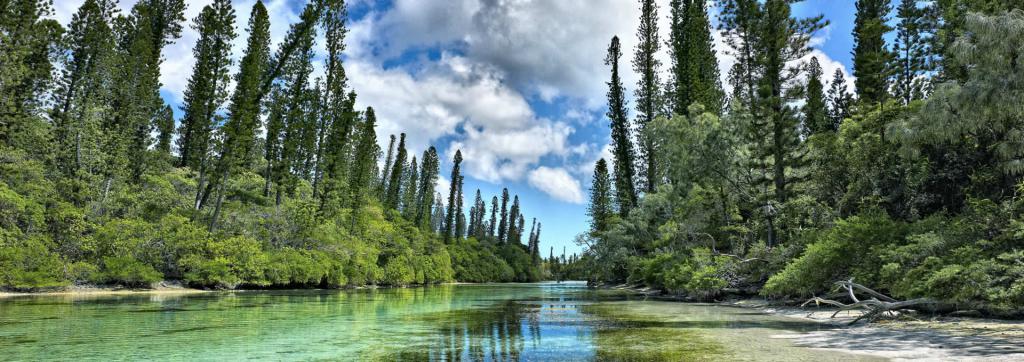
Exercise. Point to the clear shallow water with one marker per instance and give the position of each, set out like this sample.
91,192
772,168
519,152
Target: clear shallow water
495,322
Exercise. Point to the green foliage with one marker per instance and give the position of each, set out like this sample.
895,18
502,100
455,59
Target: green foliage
28,263
125,270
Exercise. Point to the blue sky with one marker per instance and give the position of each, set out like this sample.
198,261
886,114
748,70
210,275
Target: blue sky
517,85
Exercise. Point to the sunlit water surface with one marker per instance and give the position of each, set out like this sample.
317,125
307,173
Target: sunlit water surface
490,322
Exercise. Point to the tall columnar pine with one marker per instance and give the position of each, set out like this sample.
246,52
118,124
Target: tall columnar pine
336,154
694,64
514,233
913,49
454,193
165,130
622,142
207,87
239,132
272,142
385,176
493,224
410,187
503,224
816,119
141,37
335,121
460,217
29,45
395,181
839,99
740,21
600,209
438,218
364,160
519,230
83,95
784,40
871,59
425,195
648,89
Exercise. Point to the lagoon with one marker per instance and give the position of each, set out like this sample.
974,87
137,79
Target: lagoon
489,322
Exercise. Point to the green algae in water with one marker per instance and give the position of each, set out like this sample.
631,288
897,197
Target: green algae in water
635,337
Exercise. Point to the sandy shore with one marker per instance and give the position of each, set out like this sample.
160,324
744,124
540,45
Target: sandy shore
163,288
907,339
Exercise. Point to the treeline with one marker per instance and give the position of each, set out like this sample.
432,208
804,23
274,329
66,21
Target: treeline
100,184
787,183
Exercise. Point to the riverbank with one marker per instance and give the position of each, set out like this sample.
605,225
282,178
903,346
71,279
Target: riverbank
161,288
916,338
906,338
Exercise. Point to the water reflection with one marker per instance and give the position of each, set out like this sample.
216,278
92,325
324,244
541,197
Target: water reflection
444,323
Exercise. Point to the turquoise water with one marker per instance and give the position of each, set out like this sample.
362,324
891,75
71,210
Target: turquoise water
491,322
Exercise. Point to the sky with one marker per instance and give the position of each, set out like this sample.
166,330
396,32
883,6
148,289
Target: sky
518,85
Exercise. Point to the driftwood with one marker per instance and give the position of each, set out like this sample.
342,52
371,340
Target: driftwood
879,304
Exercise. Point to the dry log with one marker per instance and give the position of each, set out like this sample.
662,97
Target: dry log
876,306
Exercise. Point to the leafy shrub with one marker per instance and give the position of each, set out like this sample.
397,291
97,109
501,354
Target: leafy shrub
847,250
28,264
128,271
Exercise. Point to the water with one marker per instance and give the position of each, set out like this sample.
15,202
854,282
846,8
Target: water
491,322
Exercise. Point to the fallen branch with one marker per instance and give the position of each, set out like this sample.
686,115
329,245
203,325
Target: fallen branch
878,305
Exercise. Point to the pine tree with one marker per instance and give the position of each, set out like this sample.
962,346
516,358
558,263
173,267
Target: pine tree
535,251
476,222
493,224
600,209
519,230
395,182
165,130
503,225
83,97
460,217
239,132
783,41
438,218
622,142
514,233
839,100
410,187
647,93
336,153
912,48
870,57
29,45
335,107
740,22
364,160
272,144
386,171
141,37
694,64
454,194
428,178
816,118
207,87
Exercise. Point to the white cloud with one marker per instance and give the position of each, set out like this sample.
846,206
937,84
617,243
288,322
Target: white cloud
557,183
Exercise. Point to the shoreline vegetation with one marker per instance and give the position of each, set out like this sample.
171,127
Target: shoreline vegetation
101,185
900,196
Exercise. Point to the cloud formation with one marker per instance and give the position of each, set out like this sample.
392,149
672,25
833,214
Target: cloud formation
557,183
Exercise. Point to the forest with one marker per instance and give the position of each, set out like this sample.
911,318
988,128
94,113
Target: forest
909,183
271,178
